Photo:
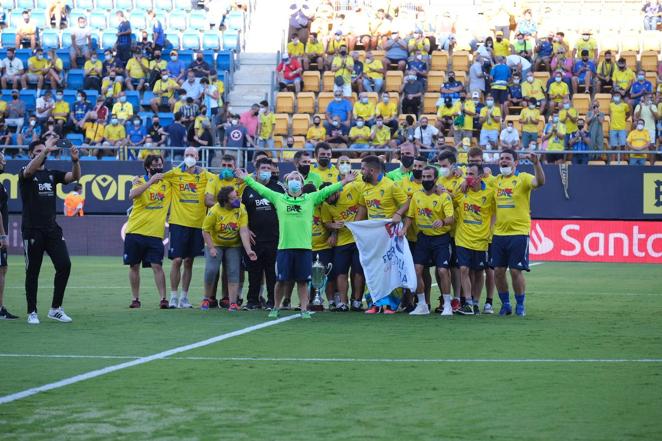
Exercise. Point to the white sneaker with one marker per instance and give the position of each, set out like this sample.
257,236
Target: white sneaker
421,309
448,310
487,309
184,303
33,318
174,302
59,315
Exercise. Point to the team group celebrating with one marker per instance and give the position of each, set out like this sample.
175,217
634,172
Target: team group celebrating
468,224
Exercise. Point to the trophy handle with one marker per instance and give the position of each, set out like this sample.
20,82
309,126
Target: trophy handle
329,267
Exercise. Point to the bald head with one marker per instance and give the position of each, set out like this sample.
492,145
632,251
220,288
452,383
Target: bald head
191,151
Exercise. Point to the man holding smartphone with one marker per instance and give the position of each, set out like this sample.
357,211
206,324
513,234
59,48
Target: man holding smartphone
41,233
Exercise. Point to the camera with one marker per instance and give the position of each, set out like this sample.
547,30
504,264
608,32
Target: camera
63,143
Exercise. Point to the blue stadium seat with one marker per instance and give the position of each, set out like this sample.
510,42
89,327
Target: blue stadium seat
16,16
108,39
198,20
75,78
24,4
3,53
146,118
183,5
76,139
186,57
190,40
231,40
85,4
5,94
66,38
69,95
225,61
29,98
173,37
208,56
210,40
98,20
124,5
92,96
23,55
163,5
39,17
235,20
133,97
63,53
165,119
138,19
75,13
8,38
177,20
104,4
50,38
147,98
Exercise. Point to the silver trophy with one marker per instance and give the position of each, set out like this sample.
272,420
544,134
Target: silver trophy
318,283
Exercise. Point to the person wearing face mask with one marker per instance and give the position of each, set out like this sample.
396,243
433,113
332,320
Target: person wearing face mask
381,198
44,107
411,92
647,111
12,71
26,30
429,217
236,135
529,117
510,243
225,178
388,111
407,155
324,168
532,88
250,119
380,136
553,138
289,73
586,43
93,71
29,133
509,137
618,112
418,44
145,230
374,72
500,75
490,118
135,134
425,134
605,73
176,68
295,214
40,232
199,66
313,53
137,71
357,72
418,66
111,86
580,141
80,111
333,46
158,33
568,116
522,47
365,109
124,32
515,97
583,72
558,91
263,224
639,139
342,109
342,66
37,69
316,133
639,88
623,77
157,65
544,52
451,88
359,136
302,165
61,109
225,230
501,45
114,133
164,93
266,126
295,48
4,228
473,233
396,51
337,210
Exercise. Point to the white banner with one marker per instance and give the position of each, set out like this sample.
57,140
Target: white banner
385,257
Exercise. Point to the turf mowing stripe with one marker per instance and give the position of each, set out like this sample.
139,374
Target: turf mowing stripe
359,360
161,355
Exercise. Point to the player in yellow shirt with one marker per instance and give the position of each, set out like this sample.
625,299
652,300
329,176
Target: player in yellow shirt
490,118
380,198
529,117
225,178
145,230
313,53
432,215
365,109
316,133
225,230
164,92
475,211
510,244
137,69
323,168
38,67
295,48
187,213
340,208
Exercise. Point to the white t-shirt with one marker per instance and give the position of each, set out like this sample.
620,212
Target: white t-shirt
516,60
193,90
81,35
13,67
425,136
213,103
510,138
41,102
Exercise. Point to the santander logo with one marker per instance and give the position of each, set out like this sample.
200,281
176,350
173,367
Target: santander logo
596,241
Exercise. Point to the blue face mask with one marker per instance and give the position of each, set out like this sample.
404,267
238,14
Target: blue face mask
226,173
235,204
294,186
264,176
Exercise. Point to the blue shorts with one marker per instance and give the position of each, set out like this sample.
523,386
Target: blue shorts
511,252
472,259
617,138
294,265
433,249
143,249
487,136
326,258
185,242
346,256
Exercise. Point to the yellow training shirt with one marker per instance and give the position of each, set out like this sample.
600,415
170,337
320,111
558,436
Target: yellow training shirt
344,210
382,200
223,225
474,217
329,174
320,233
425,209
148,215
513,204
187,207
215,184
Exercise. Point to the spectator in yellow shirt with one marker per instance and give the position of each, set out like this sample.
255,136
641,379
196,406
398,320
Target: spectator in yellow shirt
558,91
265,126
639,139
314,53
529,117
501,45
111,86
623,77
388,110
295,48
316,133
342,67
38,67
533,88
586,43
93,69
114,133
618,111
55,70
373,73
359,135
365,109
137,69
164,92
122,109
381,133
61,109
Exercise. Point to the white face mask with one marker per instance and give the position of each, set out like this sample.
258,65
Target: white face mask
529,79
566,106
444,172
190,161
359,123
532,146
532,106
344,168
489,103
506,171
509,129
234,122
640,127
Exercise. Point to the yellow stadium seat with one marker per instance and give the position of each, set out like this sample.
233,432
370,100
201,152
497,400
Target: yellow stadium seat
373,97
285,102
605,127
432,118
581,102
361,56
461,76
461,61
327,81
597,163
652,77
630,59
603,99
306,102
430,102
323,100
435,81
282,124
651,41
393,81
395,98
649,61
311,81
657,163
378,53
300,124
542,76
278,142
353,98
439,60
630,42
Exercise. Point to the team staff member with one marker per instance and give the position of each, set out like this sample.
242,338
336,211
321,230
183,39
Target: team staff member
187,213
432,214
380,198
4,225
41,234
263,224
295,215
324,169
339,209
510,245
225,230
475,210
146,228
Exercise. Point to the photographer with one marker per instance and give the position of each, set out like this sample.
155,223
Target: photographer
40,232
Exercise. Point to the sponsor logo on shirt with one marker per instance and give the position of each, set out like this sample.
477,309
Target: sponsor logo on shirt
294,208
374,203
472,208
156,197
191,187
425,212
505,192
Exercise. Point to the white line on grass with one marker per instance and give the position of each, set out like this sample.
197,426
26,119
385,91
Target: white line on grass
357,360
139,361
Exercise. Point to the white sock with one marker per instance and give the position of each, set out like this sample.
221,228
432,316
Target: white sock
173,293
184,293
336,299
447,300
421,298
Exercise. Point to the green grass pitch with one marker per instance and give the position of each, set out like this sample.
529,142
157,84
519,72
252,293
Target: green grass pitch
585,364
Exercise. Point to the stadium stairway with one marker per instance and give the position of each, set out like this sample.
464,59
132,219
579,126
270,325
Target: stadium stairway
252,81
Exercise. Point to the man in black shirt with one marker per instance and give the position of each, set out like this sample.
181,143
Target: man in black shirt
4,227
263,223
41,234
